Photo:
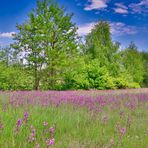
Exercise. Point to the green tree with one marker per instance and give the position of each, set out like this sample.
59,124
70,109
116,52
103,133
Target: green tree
48,41
6,56
145,65
99,43
133,63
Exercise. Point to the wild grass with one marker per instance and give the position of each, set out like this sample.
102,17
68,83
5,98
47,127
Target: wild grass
75,126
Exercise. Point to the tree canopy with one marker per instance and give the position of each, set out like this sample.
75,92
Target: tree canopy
48,54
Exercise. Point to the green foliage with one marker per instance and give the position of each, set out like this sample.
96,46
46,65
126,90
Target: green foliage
124,80
48,39
98,76
145,65
90,76
14,78
76,76
133,63
48,54
99,43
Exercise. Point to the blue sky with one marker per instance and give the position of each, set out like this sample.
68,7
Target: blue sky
128,19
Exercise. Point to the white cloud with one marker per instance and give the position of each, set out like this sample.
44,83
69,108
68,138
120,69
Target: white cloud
96,5
140,7
86,28
121,10
6,34
144,2
121,5
117,28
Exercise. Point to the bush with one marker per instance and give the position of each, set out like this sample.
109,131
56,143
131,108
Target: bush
90,76
99,77
124,80
12,78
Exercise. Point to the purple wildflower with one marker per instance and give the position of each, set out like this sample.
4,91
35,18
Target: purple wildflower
26,115
50,142
52,130
19,122
123,131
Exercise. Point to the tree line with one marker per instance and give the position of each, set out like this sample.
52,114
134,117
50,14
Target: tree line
48,53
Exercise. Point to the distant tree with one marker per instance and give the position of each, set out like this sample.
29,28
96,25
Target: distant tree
133,63
100,46
99,42
145,65
47,40
6,55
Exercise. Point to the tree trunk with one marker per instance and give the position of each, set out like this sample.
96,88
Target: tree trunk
36,79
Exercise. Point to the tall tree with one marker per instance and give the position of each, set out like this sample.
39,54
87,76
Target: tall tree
100,46
99,42
47,39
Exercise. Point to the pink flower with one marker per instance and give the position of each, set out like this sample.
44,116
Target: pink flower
50,142
123,131
45,123
33,138
37,145
33,134
52,130
26,115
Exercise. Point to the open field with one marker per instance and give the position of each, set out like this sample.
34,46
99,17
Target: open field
74,119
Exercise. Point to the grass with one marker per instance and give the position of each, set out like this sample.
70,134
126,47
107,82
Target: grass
76,127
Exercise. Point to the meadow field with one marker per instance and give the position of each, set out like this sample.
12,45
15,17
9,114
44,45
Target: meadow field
74,119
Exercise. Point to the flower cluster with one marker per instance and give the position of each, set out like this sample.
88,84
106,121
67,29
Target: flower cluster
50,133
20,122
120,130
92,100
